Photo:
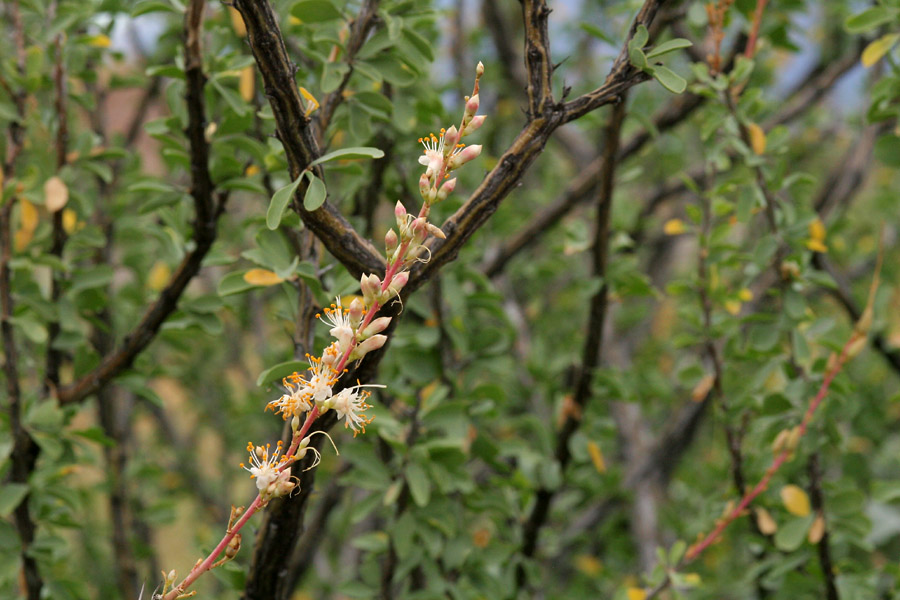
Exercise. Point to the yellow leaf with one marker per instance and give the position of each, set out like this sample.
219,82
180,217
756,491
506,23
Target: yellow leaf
765,522
99,41
56,194
816,531
878,48
247,84
816,246
311,103
674,227
745,295
589,565
635,593
757,138
817,230
237,22
596,457
262,277
292,20
29,215
21,239
251,170
159,276
692,578
69,221
795,500
733,307
702,388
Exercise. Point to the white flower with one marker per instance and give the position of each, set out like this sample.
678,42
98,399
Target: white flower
349,405
303,393
341,325
264,467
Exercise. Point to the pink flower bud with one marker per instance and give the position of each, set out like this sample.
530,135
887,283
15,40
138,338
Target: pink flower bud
399,210
376,326
373,343
472,106
451,137
391,241
475,123
446,189
357,308
435,231
418,229
468,153
399,281
479,69
370,286
425,187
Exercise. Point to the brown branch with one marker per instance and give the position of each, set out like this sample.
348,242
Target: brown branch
207,215
622,76
294,131
54,356
816,498
592,347
538,67
359,30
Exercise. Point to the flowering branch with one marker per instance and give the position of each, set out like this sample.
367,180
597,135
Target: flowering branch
357,332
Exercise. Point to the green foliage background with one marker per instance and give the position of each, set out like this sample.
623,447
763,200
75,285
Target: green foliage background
432,501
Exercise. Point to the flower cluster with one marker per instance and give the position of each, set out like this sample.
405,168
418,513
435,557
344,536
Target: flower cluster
272,479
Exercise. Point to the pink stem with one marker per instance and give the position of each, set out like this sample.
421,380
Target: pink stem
695,550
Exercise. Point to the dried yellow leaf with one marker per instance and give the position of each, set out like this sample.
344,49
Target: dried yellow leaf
237,22
596,457
765,522
262,277
159,276
99,41
674,227
29,216
817,230
21,239
733,307
817,530
69,221
251,170
795,500
635,593
589,565
745,295
878,48
56,194
757,138
816,246
311,103
247,83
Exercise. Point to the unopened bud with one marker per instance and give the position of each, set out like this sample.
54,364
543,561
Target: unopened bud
295,423
472,107
391,241
856,346
446,189
479,70
468,153
399,280
476,122
170,577
233,546
376,326
435,231
370,286
357,308
425,187
418,229
399,210
451,136
373,343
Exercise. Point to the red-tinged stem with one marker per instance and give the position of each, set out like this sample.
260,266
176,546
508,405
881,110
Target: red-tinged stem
207,563
695,550
754,28
298,437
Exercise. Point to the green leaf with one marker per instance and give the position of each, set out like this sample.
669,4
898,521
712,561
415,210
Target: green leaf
638,59
670,80
280,371
790,536
315,11
233,283
869,19
639,39
887,150
419,484
279,202
315,193
348,153
670,46
11,495
152,6
598,33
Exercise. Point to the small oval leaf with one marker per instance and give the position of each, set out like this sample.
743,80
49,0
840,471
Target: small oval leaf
280,371
279,203
348,153
262,277
56,194
315,194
